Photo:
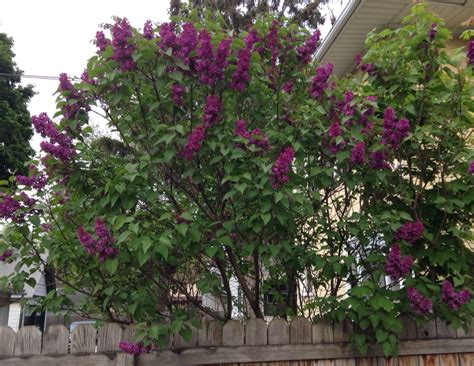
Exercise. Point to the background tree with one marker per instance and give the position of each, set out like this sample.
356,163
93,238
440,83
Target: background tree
15,121
239,14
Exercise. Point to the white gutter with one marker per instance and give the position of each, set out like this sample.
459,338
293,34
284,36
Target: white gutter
337,28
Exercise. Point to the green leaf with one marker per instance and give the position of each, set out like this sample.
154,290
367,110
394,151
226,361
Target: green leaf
266,218
111,265
381,302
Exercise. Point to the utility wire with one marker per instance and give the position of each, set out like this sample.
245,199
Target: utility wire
39,77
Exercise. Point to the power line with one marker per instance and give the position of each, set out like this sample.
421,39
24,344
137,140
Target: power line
39,77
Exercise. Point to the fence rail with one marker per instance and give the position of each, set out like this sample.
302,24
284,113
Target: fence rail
233,342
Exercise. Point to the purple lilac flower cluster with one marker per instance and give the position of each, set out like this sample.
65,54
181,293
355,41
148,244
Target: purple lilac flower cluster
60,144
241,76
148,31
8,207
282,167
288,87
394,131
410,231
306,51
470,53
432,31
186,42
367,67
320,81
212,111
75,100
211,116
194,142
34,180
133,348
470,169
358,153
101,42
177,93
123,48
419,304
396,266
102,246
378,160
272,43
255,137
6,254
167,36
454,298
210,66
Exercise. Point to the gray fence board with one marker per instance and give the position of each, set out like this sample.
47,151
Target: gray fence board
56,340
278,332
109,337
256,332
233,333
300,331
7,341
83,339
28,341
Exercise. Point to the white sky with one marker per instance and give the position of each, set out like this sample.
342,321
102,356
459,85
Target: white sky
54,36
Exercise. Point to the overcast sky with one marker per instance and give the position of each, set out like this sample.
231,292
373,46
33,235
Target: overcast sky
54,36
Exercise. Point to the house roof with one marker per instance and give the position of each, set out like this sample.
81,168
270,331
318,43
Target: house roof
359,17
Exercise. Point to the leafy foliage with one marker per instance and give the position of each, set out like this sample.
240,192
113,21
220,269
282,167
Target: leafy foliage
235,161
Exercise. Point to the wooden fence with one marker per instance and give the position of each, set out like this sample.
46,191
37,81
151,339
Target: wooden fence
278,343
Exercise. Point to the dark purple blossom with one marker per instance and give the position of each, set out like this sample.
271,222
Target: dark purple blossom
148,31
470,53
367,67
177,92
187,42
410,231
396,266
306,51
453,298
6,255
133,348
335,130
433,30
470,169
8,207
168,37
379,160
288,87
251,38
255,137
394,131
123,47
272,41
101,42
102,246
46,227
282,167
241,77
418,303
194,142
319,83
212,111
358,153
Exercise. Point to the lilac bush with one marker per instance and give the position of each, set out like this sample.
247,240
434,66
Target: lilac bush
238,159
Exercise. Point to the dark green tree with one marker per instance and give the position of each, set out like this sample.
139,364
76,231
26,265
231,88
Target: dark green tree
15,121
239,14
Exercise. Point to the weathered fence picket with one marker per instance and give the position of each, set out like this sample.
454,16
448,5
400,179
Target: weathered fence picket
56,340
280,342
28,341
